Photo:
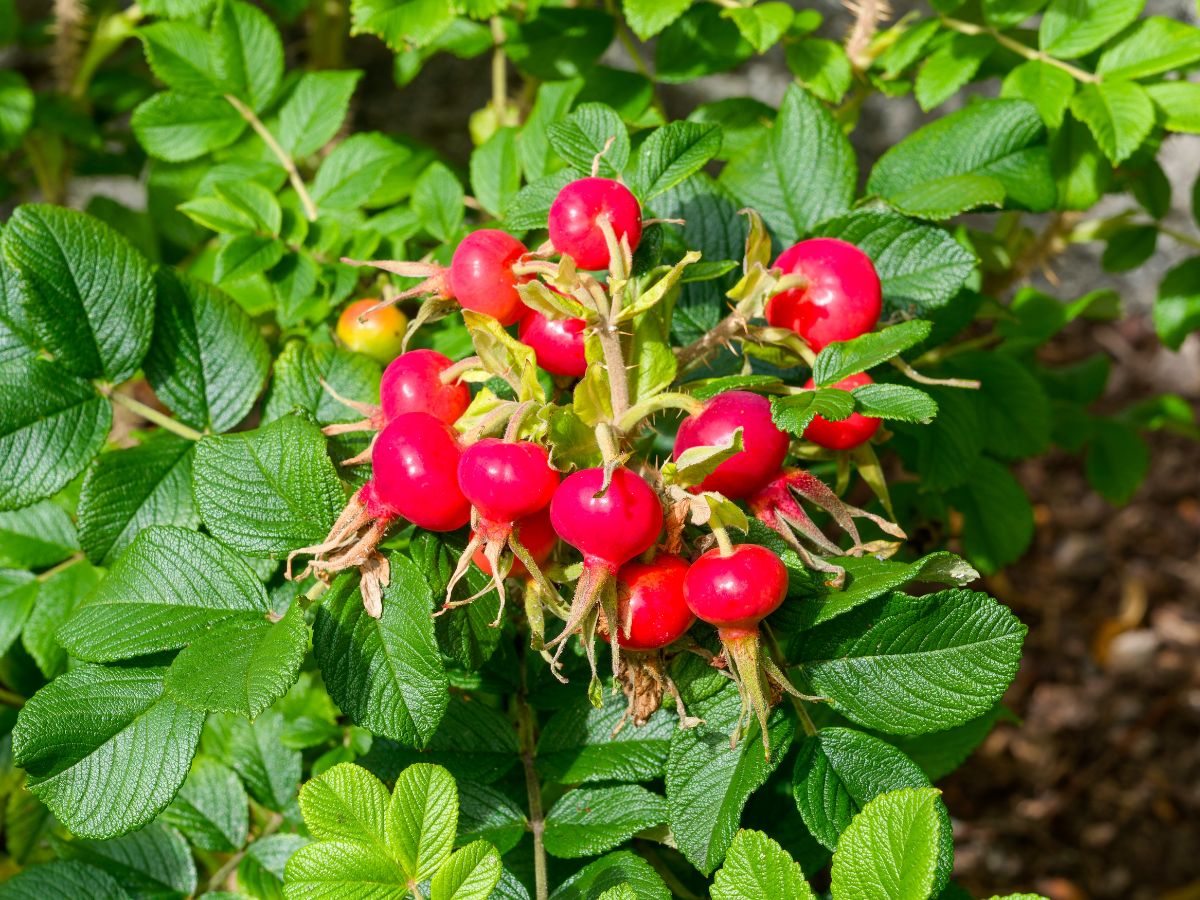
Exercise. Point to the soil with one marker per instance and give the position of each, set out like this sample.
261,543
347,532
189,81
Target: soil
1096,793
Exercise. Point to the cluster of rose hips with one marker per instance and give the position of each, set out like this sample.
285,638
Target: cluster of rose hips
631,591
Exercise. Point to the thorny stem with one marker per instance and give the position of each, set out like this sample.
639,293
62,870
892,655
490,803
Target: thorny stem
614,362
223,873
285,160
666,400
703,347
776,651
65,564
514,424
153,415
1020,49
527,732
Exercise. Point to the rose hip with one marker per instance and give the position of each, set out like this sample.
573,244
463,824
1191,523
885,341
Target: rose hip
557,343
412,382
577,211
764,445
848,433
481,274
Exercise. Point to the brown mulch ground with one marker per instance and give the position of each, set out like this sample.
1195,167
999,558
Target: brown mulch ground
1097,793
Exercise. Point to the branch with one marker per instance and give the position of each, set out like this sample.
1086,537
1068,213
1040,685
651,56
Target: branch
310,208
1020,49
153,415
703,347
527,728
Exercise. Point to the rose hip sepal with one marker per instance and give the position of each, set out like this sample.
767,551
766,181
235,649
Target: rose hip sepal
764,445
505,482
848,433
734,590
576,216
610,525
842,299
778,507
414,477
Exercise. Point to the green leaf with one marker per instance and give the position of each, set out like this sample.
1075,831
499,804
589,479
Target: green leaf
1119,114
942,752
299,371
949,67
342,869
530,207
422,819
648,17
821,66
240,667
104,749
464,633
207,361
577,744
57,598
802,173
1071,28
471,873
795,412
757,867
16,109
868,578
178,127
248,52
588,821
127,491
1080,169
18,591
314,111
472,742
997,140
701,42
268,491
762,24
842,359
398,24
1154,45
254,201
88,292
997,517
839,770
260,873
168,588
1117,461
438,201
485,813
949,196
495,174
1012,407
246,255
152,862
1179,101
873,671
211,808
385,674
51,426
180,55
898,402
1007,13
611,871
908,47
890,851
558,43
673,153
62,878
1177,307
1129,248
708,782
582,136
947,448
269,769
1047,87
920,267
353,173
36,537
347,804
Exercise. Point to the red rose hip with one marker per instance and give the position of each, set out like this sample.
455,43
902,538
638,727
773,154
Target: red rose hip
851,432
764,445
415,463
558,344
842,299
575,215
651,611
482,277
413,382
